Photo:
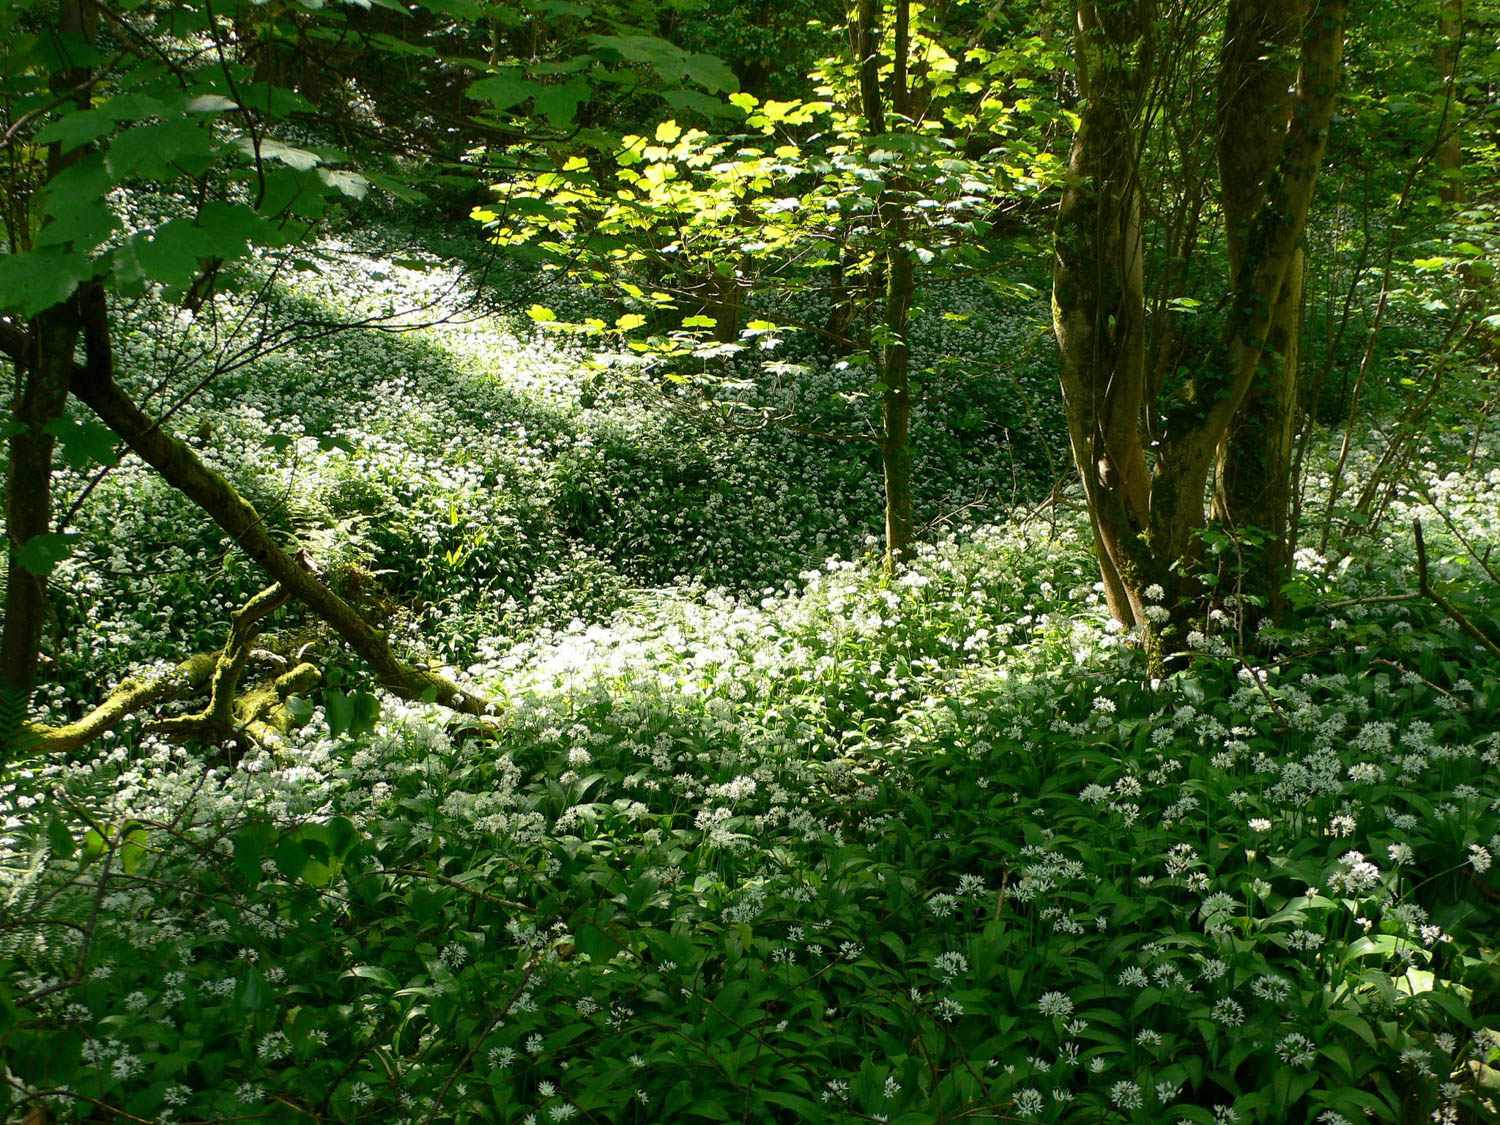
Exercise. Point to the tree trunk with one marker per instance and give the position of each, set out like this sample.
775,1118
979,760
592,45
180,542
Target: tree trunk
895,409
41,394
183,469
1253,484
893,366
1450,151
40,397
1098,302
1148,516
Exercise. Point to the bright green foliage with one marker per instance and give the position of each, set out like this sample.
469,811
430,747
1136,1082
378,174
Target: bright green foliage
675,214
177,105
908,849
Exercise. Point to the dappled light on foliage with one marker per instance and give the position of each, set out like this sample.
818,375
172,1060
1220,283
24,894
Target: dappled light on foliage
765,562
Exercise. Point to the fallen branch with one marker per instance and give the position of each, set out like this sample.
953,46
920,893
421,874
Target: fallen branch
1453,613
219,721
130,697
185,471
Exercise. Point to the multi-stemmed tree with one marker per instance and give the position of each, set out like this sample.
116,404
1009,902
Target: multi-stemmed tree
1160,456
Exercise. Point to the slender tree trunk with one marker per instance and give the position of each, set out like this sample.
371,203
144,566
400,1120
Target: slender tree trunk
895,409
1450,151
893,353
41,394
1098,302
1253,483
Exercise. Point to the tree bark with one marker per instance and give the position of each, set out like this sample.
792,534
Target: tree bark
1148,514
895,408
1253,481
895,366
1098,299
182,469
1450,150
41,395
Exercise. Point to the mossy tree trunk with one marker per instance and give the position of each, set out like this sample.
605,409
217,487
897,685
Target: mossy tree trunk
1253,480
1098,299
184,470
40,396
1148,505
1450,150
891,348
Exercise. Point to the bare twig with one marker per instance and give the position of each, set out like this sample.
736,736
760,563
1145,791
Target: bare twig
1453,613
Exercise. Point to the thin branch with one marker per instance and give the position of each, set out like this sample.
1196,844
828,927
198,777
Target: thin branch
1452,611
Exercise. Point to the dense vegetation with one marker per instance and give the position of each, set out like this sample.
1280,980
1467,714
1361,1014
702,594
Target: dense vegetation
871,562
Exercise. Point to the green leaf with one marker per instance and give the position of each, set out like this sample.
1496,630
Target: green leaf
365,714
59,837
211,103
41,553
351,184
83,443
77,128
339,708
300,159
377,973
32,282
291,857
133,850
559,103
161,152
402,191
710,72
84,223
93,845
504,90
249,850
541,314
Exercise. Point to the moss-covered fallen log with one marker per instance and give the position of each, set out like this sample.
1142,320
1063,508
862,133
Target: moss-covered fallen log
131,697
185,471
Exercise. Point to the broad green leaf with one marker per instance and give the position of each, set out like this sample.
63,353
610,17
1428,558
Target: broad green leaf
175,251
559,102
78,128
41,553
83,223
347,183
300,159
710,72
83,443
504,90
133,850
34,281
211,103
377,973
163,151
60,837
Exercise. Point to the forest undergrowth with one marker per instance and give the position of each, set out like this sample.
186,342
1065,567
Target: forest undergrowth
786,840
